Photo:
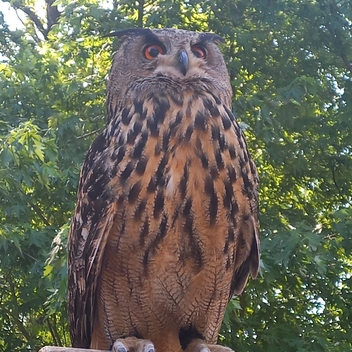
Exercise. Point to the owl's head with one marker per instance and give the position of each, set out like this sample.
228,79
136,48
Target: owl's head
162,60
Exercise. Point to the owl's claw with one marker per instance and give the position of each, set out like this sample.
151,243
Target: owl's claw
201,346
118,346
151,348
132,344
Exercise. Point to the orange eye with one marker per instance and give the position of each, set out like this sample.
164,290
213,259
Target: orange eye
199,52
152,51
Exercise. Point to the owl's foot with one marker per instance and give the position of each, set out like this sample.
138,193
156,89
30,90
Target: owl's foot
201,346
132,344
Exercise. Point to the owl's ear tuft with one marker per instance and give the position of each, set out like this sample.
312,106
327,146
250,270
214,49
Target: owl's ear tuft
211,37
130,32
149,36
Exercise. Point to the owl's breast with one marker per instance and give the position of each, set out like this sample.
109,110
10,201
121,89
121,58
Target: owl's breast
184,187
180,169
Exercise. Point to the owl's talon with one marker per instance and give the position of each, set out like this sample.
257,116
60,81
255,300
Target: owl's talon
118,346
198,345
132,344
204,349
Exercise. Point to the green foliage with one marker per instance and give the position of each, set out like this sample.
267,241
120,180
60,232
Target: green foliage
289,64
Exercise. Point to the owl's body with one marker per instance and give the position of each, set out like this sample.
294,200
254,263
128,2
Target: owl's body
165,228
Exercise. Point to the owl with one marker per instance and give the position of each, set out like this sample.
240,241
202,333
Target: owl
165,229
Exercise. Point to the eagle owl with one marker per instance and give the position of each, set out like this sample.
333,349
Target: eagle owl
165,228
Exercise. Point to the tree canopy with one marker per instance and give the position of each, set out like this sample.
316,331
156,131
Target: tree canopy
290,64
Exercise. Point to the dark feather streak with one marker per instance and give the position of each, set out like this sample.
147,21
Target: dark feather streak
134,192
184,181
200,121
144,232
141,165
126,116
139,146
152,125
208,105
158,203
139,210
125,174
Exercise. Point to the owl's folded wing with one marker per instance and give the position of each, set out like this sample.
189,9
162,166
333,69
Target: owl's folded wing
90,227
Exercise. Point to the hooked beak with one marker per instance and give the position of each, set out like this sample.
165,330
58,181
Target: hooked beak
183,61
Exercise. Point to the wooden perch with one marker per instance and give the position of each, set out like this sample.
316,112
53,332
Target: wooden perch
66,349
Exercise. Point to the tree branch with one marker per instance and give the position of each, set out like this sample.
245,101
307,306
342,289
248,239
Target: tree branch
339,191
334,179
52,16
39,213
35,207
87,134
33,17
243,304
337,39
56,342
55,332
346,62
140,13
15,314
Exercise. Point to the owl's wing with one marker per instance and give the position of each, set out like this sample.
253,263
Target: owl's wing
248,242
90,227
247,253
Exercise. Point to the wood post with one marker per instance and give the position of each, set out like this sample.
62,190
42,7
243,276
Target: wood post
66,349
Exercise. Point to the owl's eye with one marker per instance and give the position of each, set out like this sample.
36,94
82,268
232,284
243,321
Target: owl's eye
199,51
152,51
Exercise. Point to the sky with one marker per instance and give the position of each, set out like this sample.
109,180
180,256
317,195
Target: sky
10,16
13,21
